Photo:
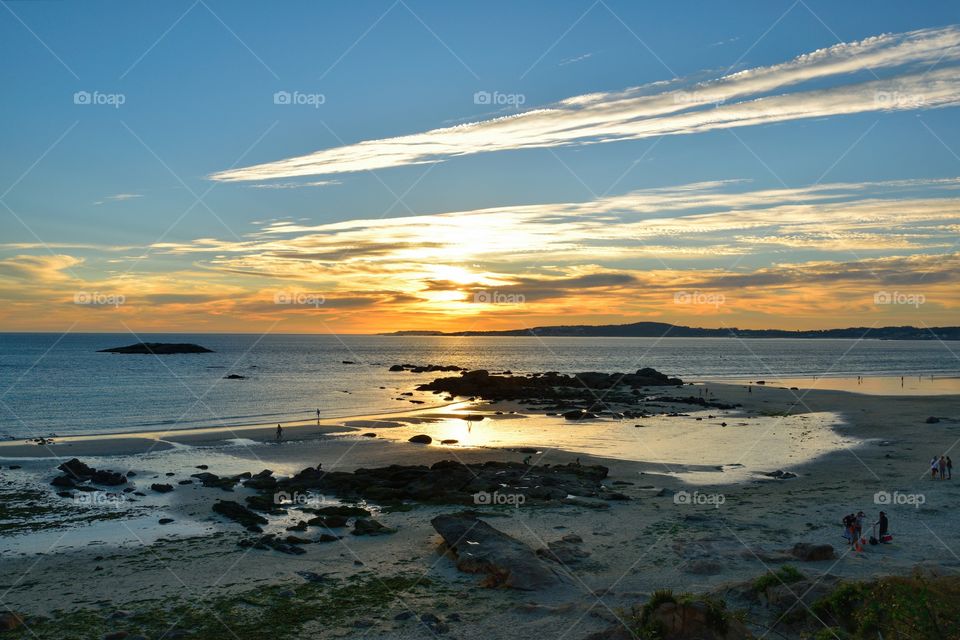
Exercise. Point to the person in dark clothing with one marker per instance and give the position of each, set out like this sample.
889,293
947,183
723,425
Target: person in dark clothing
884,526
279,433
949,468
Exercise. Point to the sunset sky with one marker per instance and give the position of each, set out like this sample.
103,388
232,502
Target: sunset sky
377,166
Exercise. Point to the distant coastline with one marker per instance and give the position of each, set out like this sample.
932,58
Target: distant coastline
666,330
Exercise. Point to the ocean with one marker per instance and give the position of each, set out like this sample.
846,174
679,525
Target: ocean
59,384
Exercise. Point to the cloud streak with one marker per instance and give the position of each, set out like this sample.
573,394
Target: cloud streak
920,65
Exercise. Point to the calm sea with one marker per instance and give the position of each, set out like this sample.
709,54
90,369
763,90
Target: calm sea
60,384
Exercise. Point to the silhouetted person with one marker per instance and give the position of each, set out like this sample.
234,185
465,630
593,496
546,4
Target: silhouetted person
318,417
884,525
949,468
279,433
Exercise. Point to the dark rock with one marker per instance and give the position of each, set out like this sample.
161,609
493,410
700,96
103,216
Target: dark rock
479,548
369,435
370,527
238,513
932,420
812,552
165,520
421,439
161,487
234,376
157,348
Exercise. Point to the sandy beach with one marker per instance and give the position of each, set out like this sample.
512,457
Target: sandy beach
703,515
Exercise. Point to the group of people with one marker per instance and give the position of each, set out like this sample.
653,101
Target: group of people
853,529
941,468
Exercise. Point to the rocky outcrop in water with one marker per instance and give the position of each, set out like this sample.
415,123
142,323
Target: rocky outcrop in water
451,482
158,348
76,472
550,385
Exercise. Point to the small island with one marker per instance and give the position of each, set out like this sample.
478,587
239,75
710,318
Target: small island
158,348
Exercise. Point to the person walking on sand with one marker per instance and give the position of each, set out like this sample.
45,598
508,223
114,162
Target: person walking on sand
279,433
318,417
942,464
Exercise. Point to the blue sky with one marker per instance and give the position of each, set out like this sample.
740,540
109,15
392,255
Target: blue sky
197,81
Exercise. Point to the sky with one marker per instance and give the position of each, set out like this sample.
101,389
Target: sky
317,167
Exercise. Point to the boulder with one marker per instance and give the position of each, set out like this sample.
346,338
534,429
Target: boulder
370,527
160,487
421,439
238,513
808,552
479,548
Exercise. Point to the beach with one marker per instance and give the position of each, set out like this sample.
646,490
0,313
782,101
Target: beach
702,512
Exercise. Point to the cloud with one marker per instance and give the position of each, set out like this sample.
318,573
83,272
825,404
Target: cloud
119,197
921,63
294,185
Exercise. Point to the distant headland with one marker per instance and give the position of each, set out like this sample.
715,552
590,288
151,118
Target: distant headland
663,329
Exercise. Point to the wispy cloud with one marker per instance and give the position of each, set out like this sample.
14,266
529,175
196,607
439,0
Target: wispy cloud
921,69
119,197
294,185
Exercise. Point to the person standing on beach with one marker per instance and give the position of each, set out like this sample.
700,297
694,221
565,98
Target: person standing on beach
858,525
318,417
933,468
279,433
942,464
949,468
884,525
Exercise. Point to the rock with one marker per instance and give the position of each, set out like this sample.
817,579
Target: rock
449,441
693,621
10,620
185,482
165,520
330,522
565,551
234,376
157,348
79,472
421,439
473,418
578,414
932,420
369,435
238,513
161,487
63,481
507,562
370,527
808,552
297,540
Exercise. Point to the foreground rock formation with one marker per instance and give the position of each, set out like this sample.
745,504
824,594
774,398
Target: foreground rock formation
479,548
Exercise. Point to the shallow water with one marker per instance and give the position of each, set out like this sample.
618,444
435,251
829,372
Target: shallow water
60,384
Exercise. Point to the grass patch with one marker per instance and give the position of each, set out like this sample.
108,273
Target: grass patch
786,574
269,613
917,606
